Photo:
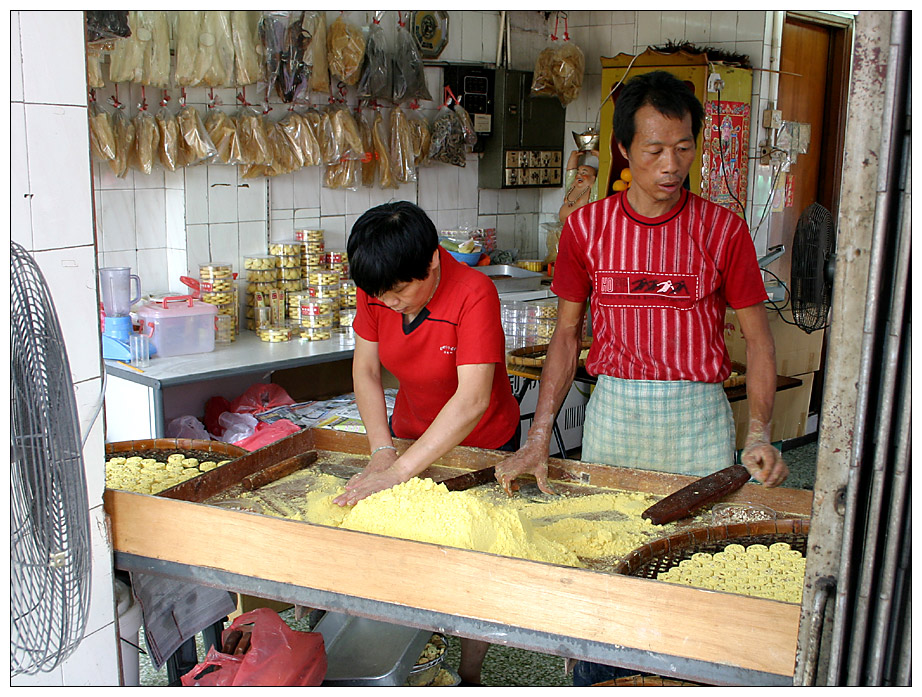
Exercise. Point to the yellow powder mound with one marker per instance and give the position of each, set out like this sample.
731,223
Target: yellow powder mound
425,511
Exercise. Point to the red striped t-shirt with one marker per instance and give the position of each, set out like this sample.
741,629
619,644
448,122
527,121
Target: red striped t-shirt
658,287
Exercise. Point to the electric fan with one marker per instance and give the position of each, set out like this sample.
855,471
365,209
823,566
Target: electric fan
49,510
812,266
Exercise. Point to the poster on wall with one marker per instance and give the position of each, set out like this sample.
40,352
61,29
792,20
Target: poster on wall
724,160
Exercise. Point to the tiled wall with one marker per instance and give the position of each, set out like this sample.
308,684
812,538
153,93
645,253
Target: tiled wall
165,224
52,216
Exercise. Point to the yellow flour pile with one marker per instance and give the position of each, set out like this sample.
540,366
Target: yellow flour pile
557,530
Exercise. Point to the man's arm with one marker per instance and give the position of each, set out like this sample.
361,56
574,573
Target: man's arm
556,378
761,459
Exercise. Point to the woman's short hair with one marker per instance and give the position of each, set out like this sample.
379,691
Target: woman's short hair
390,244
662,90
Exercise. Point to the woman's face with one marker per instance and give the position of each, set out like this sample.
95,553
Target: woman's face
410,297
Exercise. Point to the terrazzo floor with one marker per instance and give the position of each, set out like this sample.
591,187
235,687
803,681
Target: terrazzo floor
506,666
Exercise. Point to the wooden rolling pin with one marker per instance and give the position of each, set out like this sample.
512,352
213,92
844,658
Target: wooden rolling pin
684,502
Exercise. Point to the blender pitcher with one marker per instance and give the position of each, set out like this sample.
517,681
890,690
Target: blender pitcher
115,286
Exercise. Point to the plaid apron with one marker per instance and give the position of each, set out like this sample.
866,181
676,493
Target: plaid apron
681,427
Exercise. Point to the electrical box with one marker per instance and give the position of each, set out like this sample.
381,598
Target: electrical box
525,149
473,85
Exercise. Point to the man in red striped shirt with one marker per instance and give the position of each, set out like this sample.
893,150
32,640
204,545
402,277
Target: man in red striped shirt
658,266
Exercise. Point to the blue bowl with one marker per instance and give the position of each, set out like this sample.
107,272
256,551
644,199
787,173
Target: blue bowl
469,259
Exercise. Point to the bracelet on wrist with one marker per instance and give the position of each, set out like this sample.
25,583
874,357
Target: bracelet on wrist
383,447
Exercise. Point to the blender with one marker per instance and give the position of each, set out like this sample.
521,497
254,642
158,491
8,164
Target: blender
115,287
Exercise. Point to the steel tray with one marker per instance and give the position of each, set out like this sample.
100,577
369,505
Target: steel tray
508,278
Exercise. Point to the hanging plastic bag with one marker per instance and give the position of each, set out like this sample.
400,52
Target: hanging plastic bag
346,132
320,69
285,156
196,145
124,142
345,50
215,58
409,76
251,130
102,133
272,28
186,32
379,134
323,127
467,126
94,59
422,138
376,78
105,25
299,130
559,68
447,143
223,133
245,39
278,656
168,150
293,78
146,142
403,156
154,33
542,82
126,61
369,163
343,175
236,427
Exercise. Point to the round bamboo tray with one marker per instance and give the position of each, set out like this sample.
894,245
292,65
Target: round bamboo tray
174,445
661,555
534,356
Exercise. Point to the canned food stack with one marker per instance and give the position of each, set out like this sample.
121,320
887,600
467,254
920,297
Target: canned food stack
528,323
337,260
323,284
316,318
216,283
261,276
288,261
312,246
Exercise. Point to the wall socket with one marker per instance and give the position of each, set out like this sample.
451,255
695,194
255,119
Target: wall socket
771,118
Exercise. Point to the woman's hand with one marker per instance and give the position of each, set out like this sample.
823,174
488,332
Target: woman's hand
531,458
370,481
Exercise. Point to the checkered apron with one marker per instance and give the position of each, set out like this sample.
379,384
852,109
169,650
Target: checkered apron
677,426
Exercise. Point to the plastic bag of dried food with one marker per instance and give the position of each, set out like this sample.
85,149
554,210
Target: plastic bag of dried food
223,133
369,163
345,50
343,175
105,25
320,69
126,60
542,81
168,150
196,145
568,72
383,153
403,157
272,29
254,143
293,74
375,81
285,156
124,142
323,127
422,139
94,58
346,132
214,61
301,134
246,57
409,77
102,133
447,138
146,141
470,135
154,33
186,32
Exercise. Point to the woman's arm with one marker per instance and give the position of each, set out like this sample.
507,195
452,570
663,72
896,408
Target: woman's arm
452,425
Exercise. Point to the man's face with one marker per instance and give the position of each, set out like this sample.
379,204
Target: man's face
660,157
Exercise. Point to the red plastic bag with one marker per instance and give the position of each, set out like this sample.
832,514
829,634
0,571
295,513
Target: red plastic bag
261,398
278,657
268,433
214,407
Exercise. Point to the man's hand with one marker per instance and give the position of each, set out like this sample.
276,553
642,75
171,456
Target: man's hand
529,459
761,458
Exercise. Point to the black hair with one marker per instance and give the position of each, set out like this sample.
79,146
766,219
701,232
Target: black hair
662,90
390,244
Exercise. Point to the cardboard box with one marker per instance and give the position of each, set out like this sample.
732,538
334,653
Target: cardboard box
796,351
789,417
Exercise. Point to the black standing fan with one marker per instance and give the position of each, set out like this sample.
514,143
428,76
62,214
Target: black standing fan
812,266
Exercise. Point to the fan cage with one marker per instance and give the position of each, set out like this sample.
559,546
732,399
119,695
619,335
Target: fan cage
49,508
811,290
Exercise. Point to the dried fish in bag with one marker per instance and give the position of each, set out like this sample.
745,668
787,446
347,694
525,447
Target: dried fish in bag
470,135
124,142
293,79
346,132
316,56
247,69
272,28
94,59
254,144
168,150
345,50
542,81
301,134
102,133
422,138
342,175
214,61
369,163
409,77
186,32
403,158
376,77
196,146
382,153
146,142
126,61
323,127
154,32
223,133
285,156
447,144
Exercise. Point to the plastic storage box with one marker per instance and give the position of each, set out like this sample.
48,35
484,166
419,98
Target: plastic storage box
179,325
